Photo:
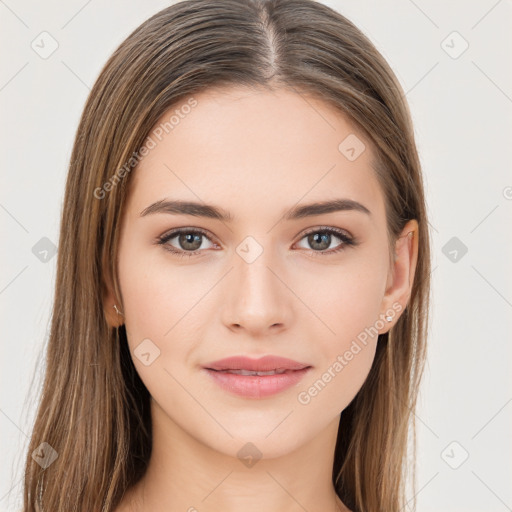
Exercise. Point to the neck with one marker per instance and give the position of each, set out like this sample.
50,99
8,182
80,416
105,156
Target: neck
184,474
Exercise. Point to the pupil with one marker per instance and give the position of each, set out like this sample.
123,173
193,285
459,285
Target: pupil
319,238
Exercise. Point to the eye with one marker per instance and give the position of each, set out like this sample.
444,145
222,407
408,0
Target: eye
189,241
320,239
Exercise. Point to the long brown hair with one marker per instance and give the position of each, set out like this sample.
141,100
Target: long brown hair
94,409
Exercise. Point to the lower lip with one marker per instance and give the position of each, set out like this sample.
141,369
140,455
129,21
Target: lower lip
256,386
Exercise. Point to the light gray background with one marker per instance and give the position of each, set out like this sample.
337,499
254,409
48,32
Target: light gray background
462,111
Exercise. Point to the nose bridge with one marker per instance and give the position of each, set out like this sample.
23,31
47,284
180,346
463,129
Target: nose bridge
256,298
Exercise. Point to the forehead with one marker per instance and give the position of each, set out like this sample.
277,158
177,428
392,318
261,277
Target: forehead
245,149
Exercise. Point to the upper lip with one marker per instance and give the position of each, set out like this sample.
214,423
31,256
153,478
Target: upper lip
263,364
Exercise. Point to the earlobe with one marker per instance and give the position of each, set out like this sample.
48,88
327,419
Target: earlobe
402,273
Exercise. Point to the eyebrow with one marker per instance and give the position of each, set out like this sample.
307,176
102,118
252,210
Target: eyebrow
177,207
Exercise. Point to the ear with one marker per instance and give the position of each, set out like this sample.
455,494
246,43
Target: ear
113,318
400,275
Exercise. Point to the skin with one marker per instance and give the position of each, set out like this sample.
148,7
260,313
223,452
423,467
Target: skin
255,154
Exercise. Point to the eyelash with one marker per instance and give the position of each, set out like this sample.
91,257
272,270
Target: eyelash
347,241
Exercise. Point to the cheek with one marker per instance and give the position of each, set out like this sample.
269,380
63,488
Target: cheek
164,303
343,298
160,307
158,296
347,299
345,355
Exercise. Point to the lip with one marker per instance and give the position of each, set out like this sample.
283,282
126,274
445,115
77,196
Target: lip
263,364
256,386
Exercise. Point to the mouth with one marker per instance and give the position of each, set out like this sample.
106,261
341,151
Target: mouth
256,378
264,364
252,373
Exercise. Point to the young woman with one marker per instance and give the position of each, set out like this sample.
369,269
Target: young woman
241,304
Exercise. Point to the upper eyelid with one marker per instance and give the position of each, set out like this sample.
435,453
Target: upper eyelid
176,231
327,228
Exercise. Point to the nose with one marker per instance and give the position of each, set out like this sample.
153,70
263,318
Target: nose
257,298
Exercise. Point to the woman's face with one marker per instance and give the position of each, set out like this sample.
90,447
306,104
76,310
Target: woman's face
265,281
